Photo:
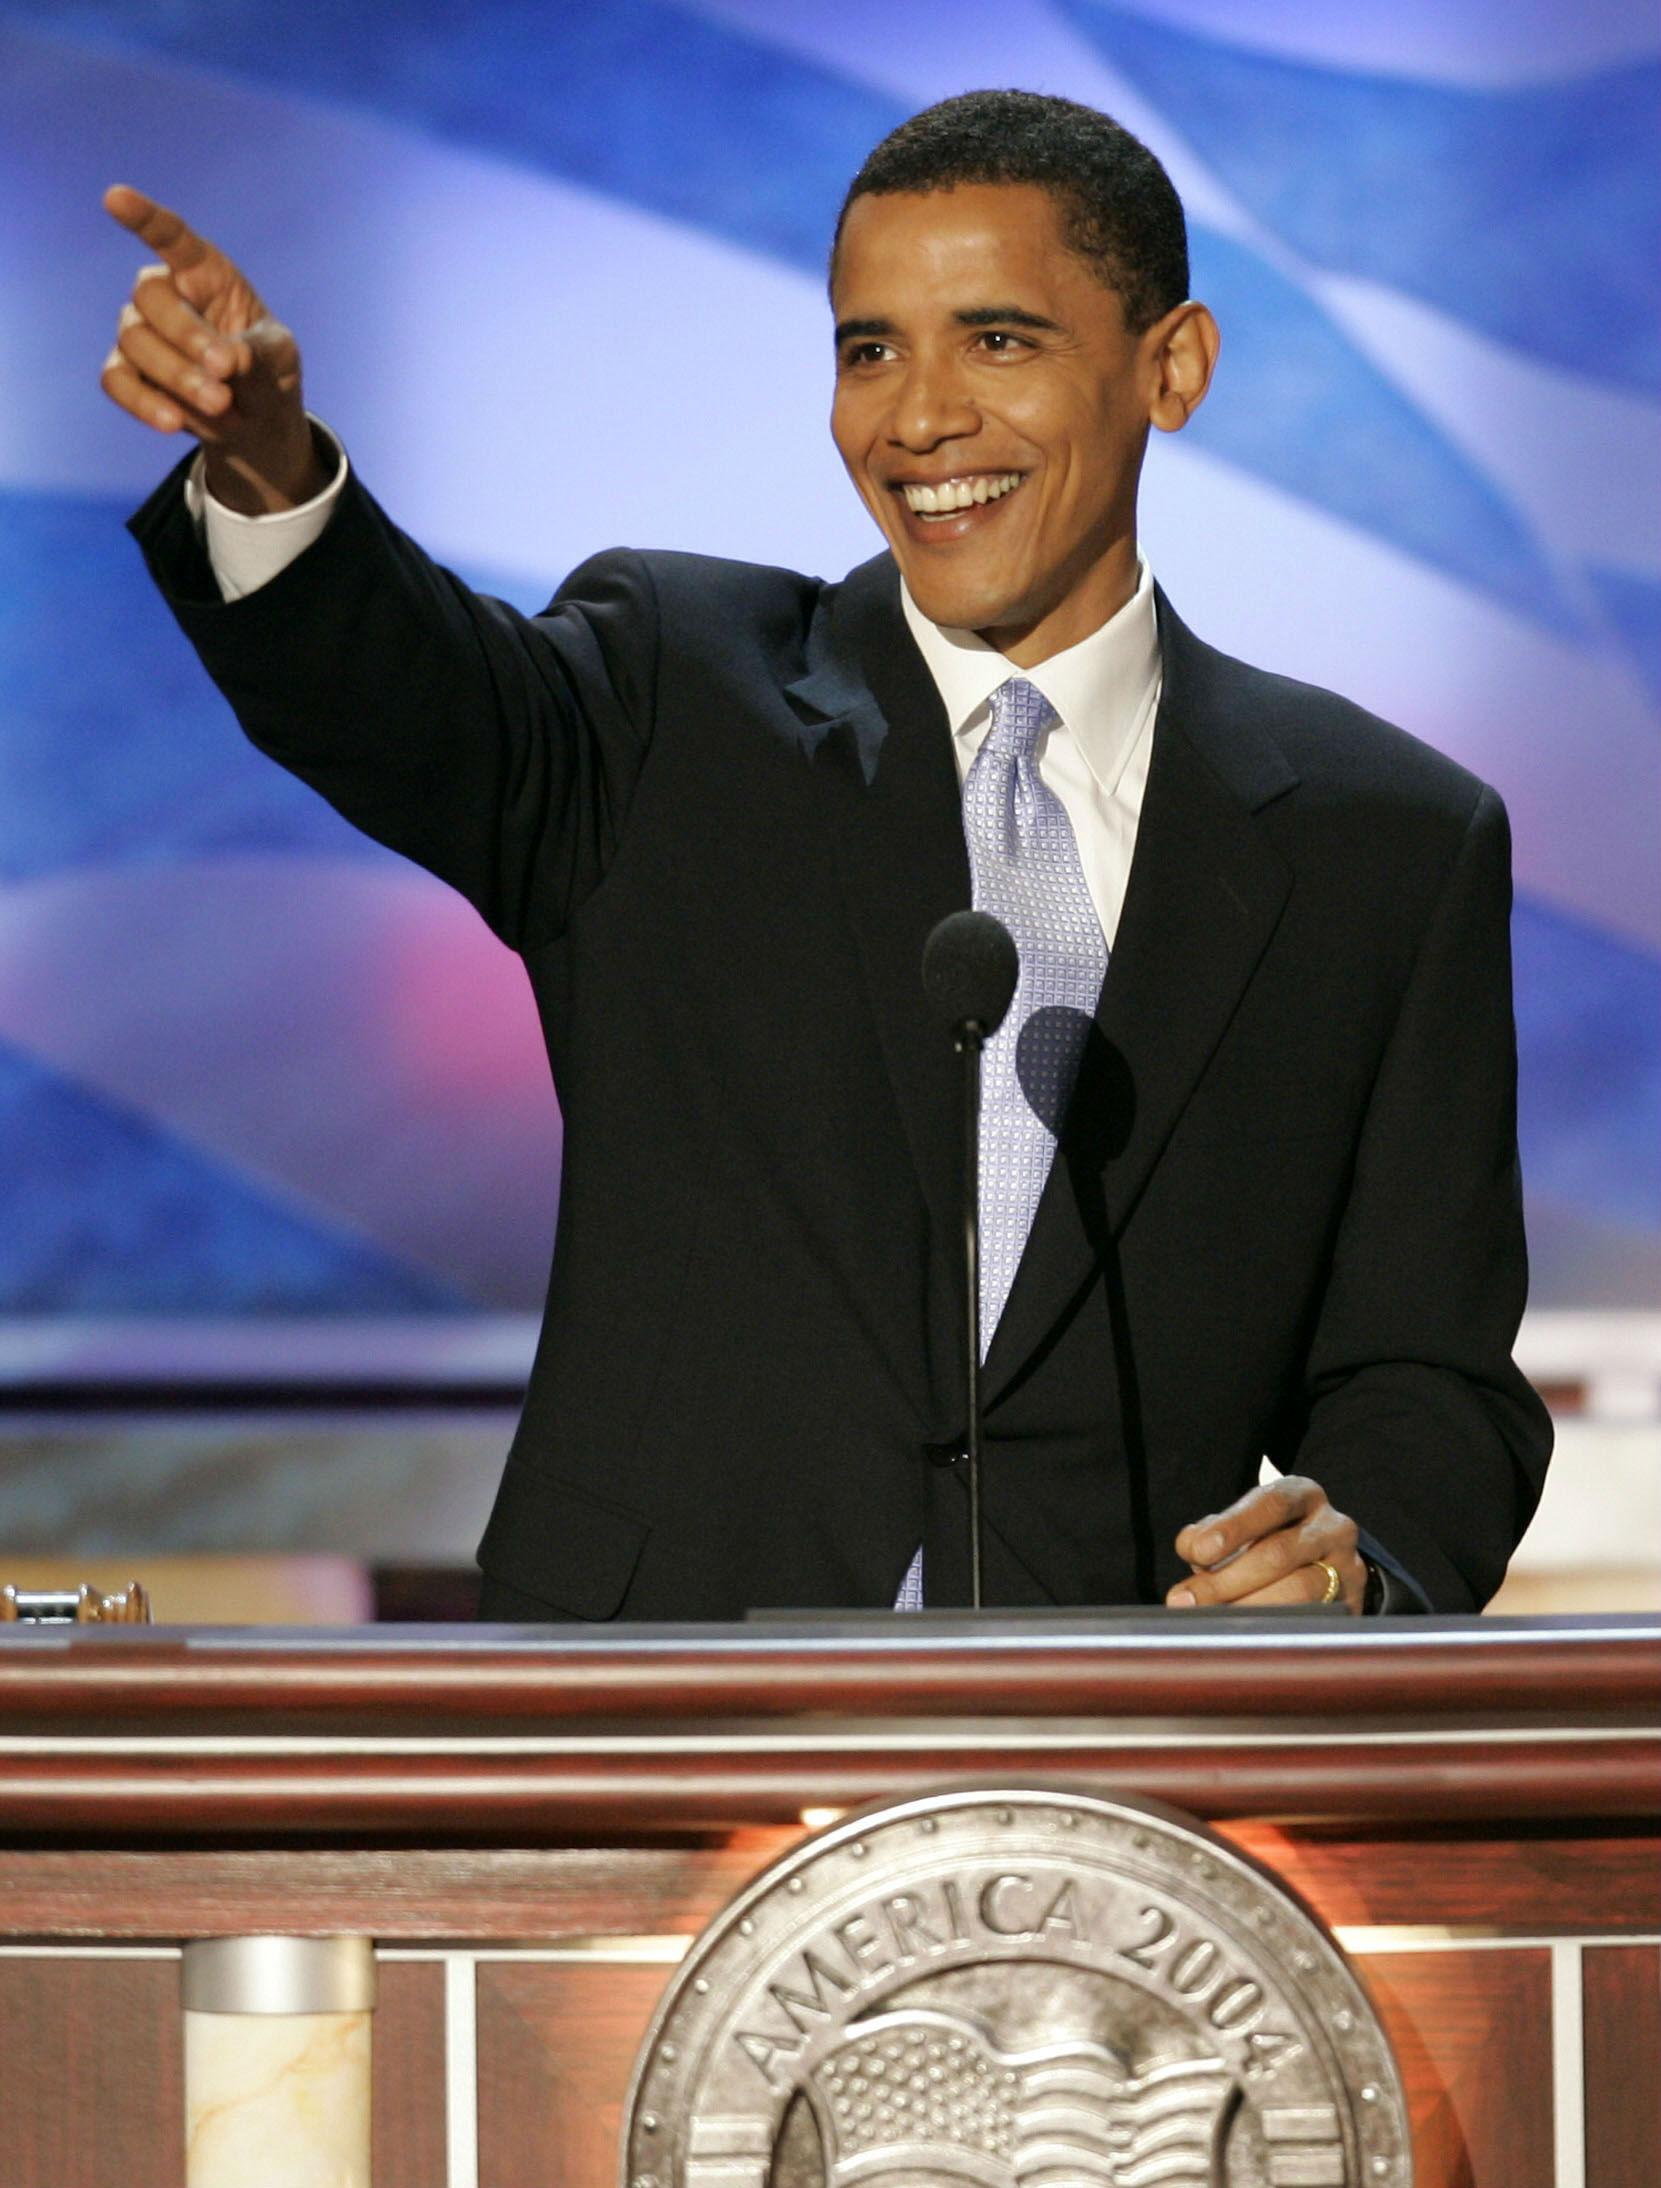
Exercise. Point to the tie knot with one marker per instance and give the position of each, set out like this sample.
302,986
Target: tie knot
1020,716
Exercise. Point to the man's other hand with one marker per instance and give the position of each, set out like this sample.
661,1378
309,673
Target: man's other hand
1268,1548
196,351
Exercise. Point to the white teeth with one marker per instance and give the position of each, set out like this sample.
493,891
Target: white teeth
954,494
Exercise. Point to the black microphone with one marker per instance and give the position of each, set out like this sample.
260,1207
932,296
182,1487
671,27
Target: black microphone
970,967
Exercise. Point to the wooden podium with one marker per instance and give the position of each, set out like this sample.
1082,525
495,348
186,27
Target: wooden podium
532,1825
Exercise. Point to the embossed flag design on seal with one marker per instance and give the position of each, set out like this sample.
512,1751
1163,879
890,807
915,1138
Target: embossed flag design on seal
932,2089
1016,1988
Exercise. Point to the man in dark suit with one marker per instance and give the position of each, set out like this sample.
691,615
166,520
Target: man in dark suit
1254,1193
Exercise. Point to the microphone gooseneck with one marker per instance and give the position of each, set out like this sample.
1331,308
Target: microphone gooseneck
970,969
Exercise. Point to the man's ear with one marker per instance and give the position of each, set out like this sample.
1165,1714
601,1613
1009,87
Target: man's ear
1182,355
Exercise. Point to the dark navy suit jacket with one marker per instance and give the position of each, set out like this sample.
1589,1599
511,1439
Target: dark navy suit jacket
714,806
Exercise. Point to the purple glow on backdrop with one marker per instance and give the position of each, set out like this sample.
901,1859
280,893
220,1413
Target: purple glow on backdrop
527,369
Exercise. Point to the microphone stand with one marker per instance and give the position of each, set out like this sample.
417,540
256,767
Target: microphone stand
971,1037
971,969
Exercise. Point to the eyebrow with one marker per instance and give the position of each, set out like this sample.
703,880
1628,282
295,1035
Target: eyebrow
846,329
975,315
1007,315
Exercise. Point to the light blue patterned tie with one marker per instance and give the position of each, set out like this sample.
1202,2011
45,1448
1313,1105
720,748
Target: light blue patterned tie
1025,862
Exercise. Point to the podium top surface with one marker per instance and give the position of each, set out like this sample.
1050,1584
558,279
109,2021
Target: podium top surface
953,1662
500,1731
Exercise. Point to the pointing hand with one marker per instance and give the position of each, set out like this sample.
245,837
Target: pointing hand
196,351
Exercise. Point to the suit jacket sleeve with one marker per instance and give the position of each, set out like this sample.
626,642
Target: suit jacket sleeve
498,750
1415,1414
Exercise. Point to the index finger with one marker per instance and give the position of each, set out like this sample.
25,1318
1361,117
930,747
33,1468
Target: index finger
1258,1513
172,239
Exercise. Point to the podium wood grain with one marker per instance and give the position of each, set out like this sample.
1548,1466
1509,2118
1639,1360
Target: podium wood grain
1472,2036
1621,2022
91,2074
556,2046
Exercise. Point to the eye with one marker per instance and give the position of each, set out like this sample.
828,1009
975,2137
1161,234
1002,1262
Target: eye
865,353
999,342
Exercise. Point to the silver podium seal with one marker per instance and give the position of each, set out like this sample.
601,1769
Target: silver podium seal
1015,1989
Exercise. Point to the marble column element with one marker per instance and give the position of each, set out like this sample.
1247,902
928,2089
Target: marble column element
277,2061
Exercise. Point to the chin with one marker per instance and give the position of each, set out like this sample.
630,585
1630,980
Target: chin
959,602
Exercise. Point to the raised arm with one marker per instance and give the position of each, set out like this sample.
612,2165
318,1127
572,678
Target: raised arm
498,750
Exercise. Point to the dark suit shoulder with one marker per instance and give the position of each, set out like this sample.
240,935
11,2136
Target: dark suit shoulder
1326,735
703,617
1336,749
702,597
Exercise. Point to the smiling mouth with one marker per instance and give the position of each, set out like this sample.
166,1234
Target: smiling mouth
951,497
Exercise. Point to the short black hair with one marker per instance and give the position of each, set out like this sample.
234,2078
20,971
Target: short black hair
1118,207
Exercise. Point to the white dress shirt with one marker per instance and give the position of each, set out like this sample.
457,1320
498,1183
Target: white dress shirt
248,552
1105,689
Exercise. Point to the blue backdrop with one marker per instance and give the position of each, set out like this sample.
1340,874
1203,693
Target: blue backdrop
556,271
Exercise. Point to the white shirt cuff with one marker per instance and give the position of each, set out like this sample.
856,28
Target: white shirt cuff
248,552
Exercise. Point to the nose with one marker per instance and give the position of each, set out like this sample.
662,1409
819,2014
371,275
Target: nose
931,405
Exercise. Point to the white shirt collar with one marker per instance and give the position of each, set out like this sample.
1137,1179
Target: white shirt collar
1102,688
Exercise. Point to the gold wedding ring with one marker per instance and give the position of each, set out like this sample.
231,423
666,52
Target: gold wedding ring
1334,1586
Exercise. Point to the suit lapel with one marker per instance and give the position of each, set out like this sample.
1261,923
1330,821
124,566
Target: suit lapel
884,748
1205,895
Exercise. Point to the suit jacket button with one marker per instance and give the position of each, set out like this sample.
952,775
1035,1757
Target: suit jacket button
943,1454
